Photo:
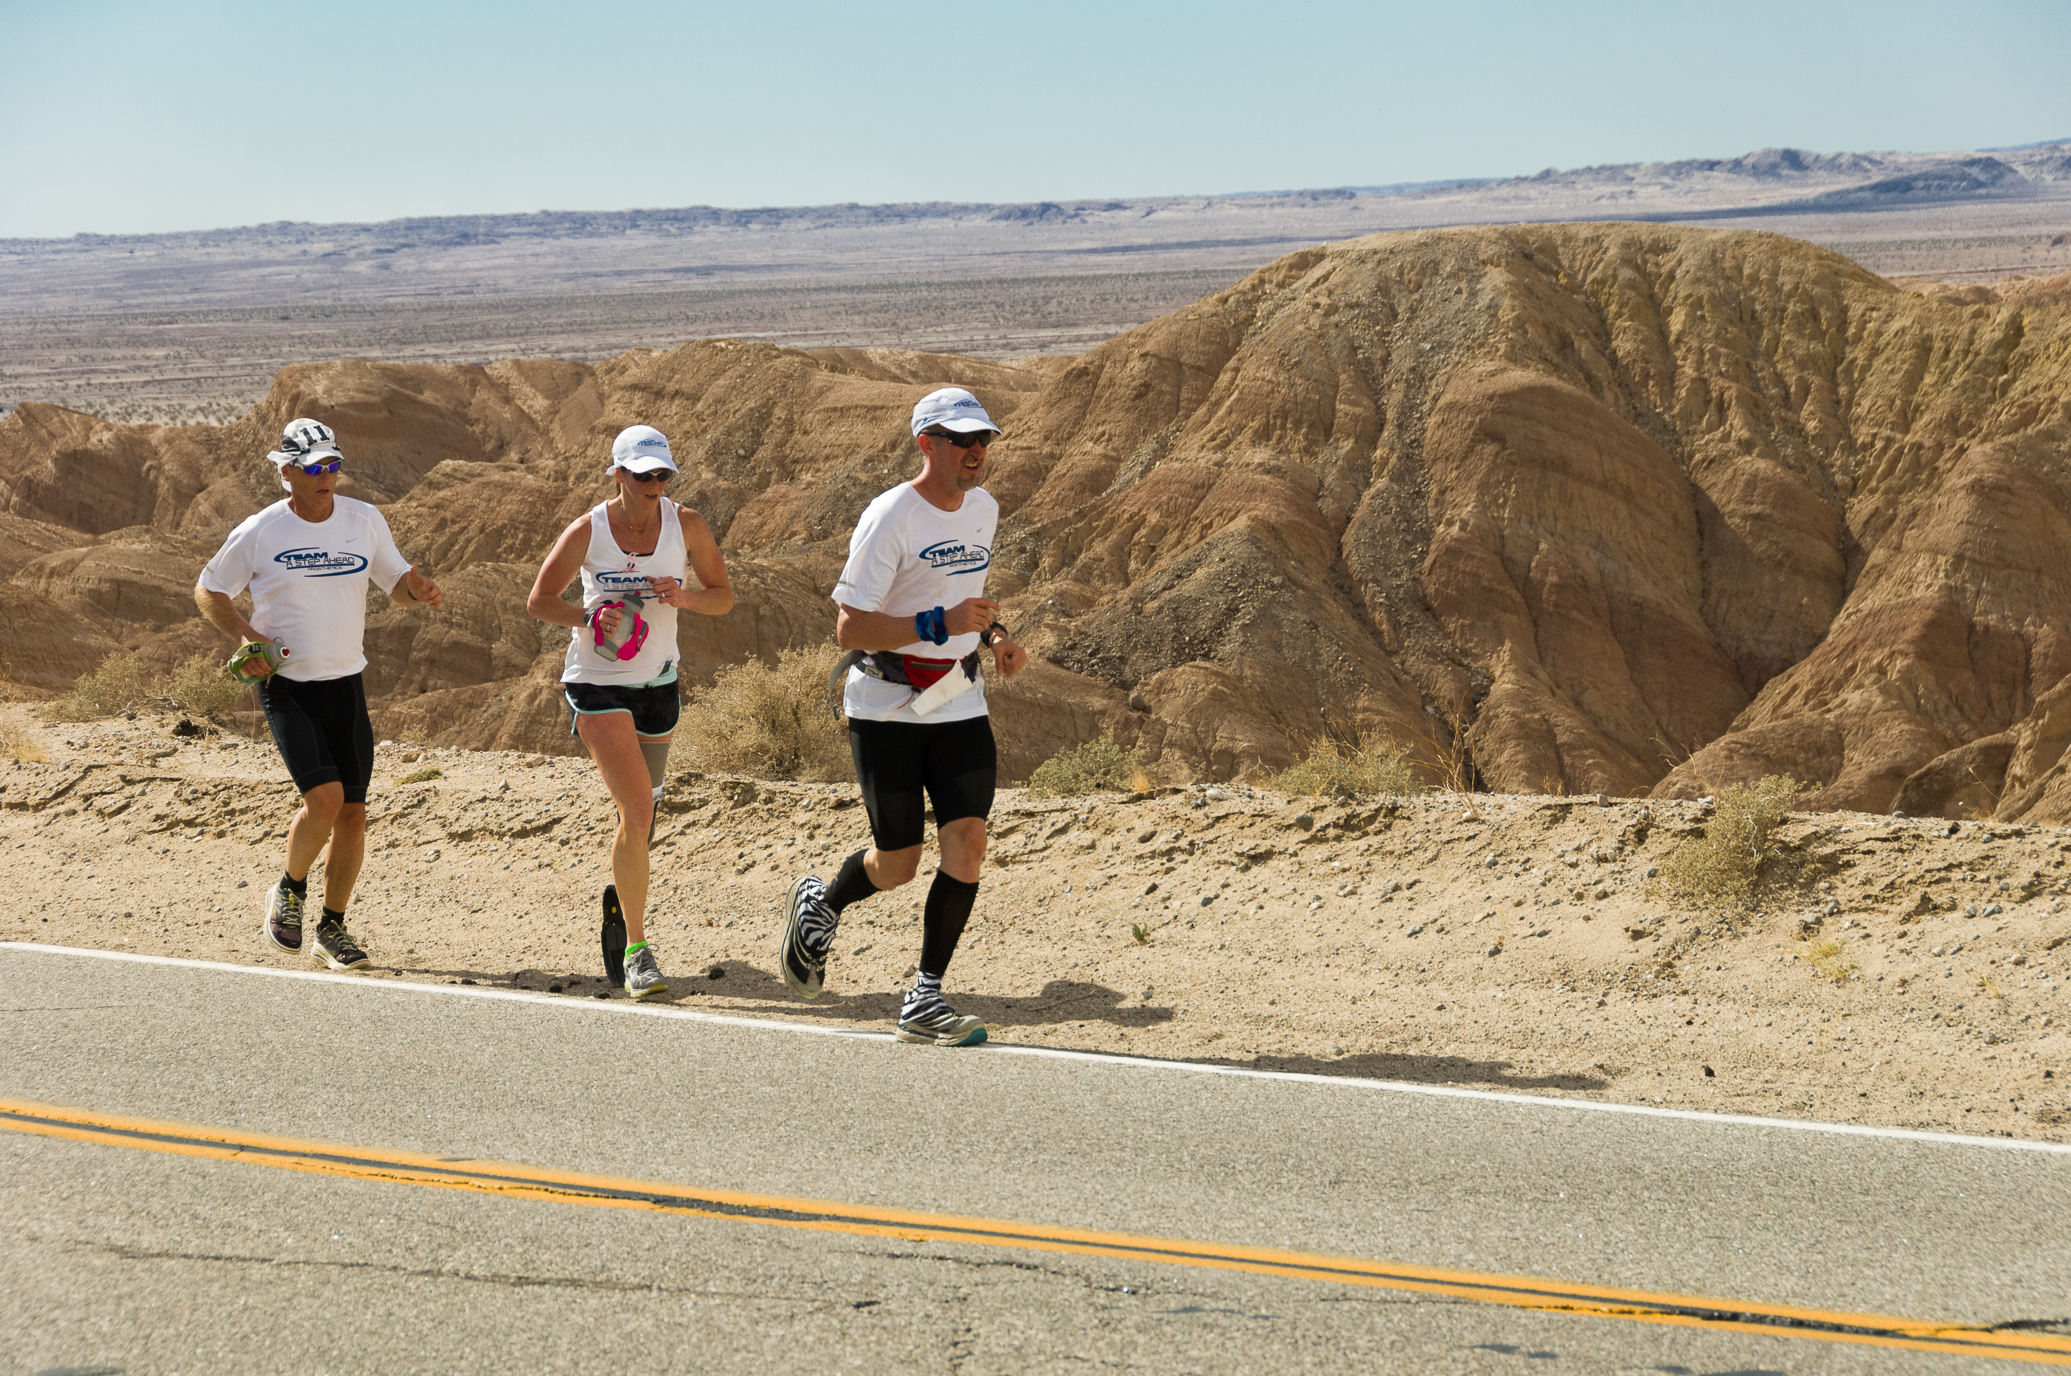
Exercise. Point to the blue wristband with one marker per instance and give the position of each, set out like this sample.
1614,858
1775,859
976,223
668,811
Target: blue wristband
940,623
920,627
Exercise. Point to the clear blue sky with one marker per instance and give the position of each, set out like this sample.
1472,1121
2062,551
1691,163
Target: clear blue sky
123,116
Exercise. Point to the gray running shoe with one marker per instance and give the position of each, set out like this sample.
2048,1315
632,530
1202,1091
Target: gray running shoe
807,938
643,976
337,948
283,924
932,1020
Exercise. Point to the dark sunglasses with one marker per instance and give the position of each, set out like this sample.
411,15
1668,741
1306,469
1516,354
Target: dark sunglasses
980,439
659,475
312,470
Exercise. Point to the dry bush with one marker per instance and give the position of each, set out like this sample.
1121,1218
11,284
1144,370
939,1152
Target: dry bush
1725,867
202,687
1830,959
1371,763
18,739
123,682
1094,767
769,722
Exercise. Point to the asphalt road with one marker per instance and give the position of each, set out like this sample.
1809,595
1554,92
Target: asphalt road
122,1259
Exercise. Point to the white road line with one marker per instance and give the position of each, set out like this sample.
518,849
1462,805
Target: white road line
624,1008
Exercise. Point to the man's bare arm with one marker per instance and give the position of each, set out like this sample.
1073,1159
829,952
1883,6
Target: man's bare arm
855,630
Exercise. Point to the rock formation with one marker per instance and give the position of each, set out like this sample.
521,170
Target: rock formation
1640,508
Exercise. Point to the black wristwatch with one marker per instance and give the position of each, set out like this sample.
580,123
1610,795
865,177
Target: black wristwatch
986,638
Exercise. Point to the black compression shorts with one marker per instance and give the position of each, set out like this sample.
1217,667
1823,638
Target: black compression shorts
322,730
955,762
653,709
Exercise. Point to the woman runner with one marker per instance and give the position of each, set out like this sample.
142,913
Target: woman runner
620,680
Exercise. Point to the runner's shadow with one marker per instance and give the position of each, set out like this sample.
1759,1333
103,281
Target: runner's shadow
1422,1070
1061,1001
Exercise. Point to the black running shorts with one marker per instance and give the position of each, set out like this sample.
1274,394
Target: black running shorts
654,710
322,730
955,762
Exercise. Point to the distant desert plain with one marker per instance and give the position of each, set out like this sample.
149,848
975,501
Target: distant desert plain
1609,488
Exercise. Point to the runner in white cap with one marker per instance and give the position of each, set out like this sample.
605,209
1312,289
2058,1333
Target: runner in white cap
307,561
913,615
635,554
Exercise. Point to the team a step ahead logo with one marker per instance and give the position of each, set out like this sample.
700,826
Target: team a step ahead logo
954,556
320,563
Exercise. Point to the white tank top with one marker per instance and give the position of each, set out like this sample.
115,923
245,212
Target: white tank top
609,574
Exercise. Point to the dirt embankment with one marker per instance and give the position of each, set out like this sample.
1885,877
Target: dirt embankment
1908,975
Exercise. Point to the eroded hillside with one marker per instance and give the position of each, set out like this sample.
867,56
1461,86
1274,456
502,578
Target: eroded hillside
1647,508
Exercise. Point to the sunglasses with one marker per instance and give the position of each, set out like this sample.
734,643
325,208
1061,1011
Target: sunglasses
312,470
659,475
979,439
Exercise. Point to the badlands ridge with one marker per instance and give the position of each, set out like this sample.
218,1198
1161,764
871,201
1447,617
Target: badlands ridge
1646,509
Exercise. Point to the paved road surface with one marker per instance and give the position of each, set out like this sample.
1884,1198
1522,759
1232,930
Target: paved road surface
124,1259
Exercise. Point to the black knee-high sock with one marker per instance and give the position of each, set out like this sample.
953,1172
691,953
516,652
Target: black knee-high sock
942,921
851,884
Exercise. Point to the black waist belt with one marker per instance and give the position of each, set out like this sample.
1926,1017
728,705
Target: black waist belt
888,665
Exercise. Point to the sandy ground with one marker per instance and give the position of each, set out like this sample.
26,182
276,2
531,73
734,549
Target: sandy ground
1910,977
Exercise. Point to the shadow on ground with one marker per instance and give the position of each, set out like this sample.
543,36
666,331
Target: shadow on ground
750,989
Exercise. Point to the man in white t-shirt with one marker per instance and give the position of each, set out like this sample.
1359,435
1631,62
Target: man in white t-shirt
913,616
307,561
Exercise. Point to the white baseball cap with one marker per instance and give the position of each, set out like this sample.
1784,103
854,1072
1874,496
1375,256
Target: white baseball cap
305,441
951,408
641,449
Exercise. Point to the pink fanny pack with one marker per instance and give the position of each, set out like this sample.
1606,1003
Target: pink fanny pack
630,636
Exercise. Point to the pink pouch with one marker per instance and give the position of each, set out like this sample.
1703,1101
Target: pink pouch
630,636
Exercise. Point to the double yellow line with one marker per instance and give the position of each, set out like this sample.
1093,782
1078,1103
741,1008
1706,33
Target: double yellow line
567,1187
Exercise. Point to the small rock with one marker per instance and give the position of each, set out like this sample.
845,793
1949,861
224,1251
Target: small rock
1709,1073
1206,899
716,972
1304,821
1495,950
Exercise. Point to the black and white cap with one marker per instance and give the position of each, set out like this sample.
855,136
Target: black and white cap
305,441
641,449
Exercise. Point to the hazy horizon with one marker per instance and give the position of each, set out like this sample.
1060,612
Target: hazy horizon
231,113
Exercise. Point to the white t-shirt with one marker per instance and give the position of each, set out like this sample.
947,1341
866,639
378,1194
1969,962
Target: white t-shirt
908,555
309,582
609,574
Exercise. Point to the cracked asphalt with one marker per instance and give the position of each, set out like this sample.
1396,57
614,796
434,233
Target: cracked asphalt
120,1260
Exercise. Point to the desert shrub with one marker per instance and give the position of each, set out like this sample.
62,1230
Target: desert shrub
769,721
123,682
1725,866
1096,766
120,683
17,740
1370,764
202,687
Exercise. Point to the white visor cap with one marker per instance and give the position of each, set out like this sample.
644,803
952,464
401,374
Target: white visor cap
641,449
954,409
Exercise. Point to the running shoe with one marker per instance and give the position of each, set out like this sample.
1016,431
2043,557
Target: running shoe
643,976
614,939
930,1019
338,949
807,937
283,924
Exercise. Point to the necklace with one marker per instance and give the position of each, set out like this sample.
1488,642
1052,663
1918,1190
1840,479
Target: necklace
625,519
